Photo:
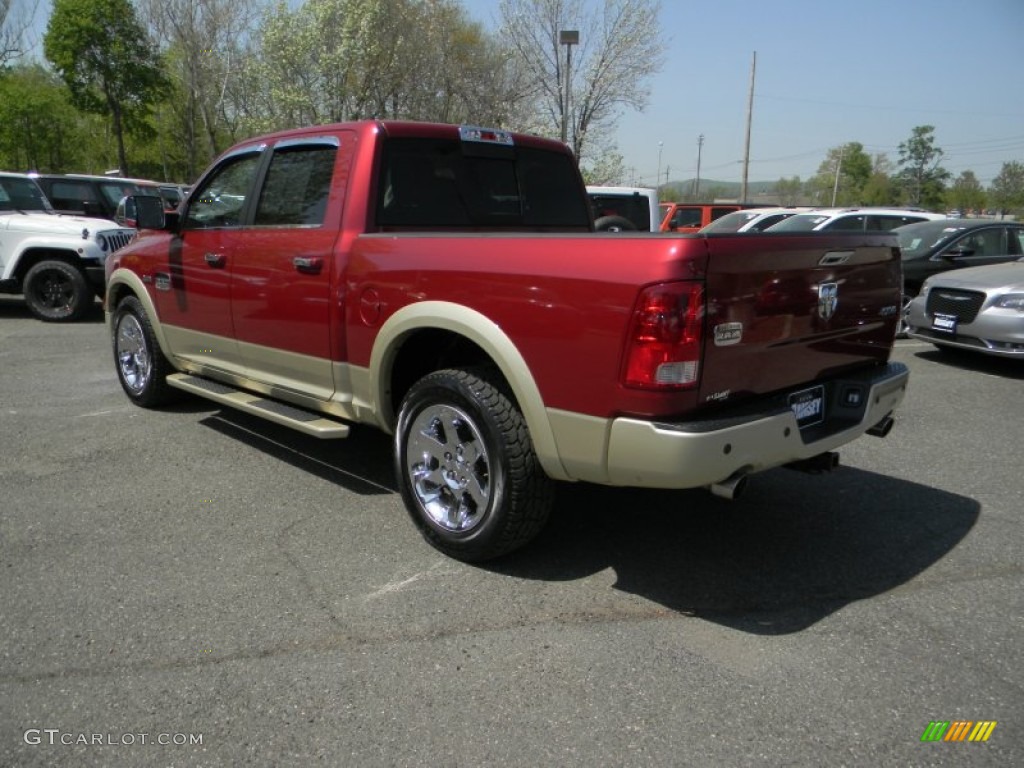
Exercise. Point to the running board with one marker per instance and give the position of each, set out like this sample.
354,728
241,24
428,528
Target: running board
308,422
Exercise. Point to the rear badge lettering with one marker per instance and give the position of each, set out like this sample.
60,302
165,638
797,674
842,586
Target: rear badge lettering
728,333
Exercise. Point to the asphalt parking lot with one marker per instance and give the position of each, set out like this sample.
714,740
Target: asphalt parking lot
194,587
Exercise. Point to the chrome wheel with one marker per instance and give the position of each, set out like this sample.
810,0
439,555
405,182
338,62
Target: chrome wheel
448,467
133,359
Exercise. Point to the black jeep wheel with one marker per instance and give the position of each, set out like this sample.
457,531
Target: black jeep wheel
142,368
466,466
57,291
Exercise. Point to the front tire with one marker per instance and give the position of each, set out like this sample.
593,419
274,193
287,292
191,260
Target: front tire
141,366
466,467
56,291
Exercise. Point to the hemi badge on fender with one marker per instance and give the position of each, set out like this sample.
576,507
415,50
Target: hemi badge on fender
728,333
163,281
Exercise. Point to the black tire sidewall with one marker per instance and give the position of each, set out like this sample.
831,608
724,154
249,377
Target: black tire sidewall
155,391
83,295
445,387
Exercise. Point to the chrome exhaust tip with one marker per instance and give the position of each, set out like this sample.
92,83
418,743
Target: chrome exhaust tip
732,487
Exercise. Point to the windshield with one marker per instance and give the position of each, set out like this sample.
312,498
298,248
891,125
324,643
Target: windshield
732,222
22,194
918,239
802,222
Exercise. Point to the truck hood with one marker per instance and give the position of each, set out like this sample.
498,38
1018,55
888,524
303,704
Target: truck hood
50,223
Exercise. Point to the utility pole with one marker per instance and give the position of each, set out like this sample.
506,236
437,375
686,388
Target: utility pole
839,168
696,182
750,116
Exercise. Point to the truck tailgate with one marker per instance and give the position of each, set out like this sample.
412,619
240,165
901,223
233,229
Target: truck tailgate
785,310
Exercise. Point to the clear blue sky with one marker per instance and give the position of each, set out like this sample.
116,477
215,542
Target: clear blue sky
828,72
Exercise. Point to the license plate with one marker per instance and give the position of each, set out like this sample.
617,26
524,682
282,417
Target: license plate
944,323
808,406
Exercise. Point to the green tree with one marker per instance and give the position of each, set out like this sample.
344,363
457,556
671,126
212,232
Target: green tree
789,190
100,51
879,189
921,178
966,193
853,167
39,129
1007,190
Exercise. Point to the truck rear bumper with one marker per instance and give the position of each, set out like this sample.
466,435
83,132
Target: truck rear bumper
692,454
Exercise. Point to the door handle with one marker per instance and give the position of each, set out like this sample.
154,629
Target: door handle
215,260
308,264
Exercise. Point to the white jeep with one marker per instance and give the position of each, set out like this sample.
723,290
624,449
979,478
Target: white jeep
55,261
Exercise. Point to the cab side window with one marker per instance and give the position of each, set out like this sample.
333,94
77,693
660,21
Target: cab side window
220,202
297,187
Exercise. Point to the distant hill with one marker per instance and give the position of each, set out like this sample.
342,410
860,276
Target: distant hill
711,189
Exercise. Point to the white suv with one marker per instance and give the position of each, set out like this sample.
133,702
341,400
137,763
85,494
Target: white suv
853,220
55,261
624,209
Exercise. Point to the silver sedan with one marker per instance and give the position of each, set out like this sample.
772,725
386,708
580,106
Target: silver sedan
979,308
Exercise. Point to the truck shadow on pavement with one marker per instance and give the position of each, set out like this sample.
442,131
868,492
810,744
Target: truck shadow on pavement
793,550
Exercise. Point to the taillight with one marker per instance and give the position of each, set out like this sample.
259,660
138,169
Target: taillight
665,337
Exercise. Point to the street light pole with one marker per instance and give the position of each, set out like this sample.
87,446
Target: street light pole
568,38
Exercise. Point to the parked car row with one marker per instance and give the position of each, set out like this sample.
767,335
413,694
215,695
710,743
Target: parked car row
98,196
55,260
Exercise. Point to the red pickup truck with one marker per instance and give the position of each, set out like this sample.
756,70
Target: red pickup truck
445,284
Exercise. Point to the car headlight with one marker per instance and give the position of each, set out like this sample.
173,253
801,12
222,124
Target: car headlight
1011,301
101,241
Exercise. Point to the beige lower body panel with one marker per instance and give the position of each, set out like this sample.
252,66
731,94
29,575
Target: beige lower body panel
336,389
640,453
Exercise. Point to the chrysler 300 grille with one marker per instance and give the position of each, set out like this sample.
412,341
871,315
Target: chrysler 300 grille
964,305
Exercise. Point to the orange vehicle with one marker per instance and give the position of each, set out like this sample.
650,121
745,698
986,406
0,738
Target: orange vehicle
690,217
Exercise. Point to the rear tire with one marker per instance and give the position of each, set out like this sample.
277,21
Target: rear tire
466,466
141,366
57,292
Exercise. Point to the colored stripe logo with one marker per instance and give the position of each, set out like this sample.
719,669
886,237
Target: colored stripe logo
958,730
